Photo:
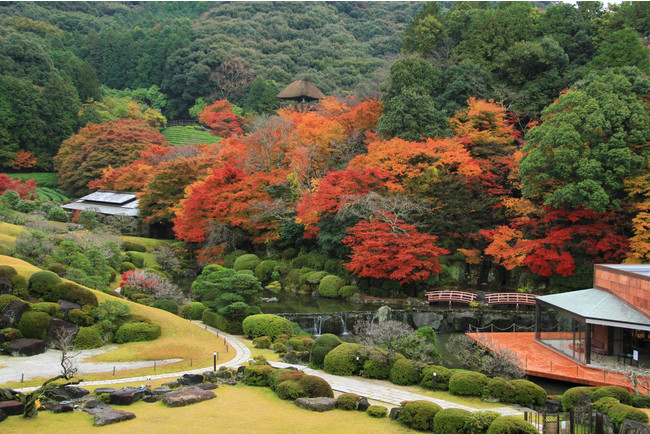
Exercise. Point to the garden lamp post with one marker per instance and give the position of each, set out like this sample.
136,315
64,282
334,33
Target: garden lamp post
357,372
215,361
435,380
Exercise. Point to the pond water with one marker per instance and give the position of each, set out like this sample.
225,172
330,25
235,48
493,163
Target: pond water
292,303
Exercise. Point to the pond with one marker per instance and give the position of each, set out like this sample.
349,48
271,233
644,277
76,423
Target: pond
292,303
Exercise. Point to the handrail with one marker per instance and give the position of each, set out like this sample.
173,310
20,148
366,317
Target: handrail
510,298
458,296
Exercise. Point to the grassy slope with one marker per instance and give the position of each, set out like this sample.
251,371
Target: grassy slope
8,234
238,409
180,338
189,135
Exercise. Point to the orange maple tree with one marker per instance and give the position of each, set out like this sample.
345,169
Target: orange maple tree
23,160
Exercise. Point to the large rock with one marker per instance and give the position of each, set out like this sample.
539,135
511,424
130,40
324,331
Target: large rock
316,404
61,408
57,327
363,404
207,386
127,395
12,312
553,406
183,397
109,415
161,390
66,306
12,408
5,285
101,390
633,427
190,379
66,393
394,412
26,347
3,416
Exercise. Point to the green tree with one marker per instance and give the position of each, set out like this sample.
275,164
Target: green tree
622,48
412,115
262,98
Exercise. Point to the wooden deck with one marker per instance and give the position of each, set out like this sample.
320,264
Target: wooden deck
541,361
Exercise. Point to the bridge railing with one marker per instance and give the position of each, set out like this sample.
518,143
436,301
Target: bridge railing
510,298
451,296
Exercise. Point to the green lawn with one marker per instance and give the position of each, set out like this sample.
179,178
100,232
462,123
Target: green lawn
189,135
43,179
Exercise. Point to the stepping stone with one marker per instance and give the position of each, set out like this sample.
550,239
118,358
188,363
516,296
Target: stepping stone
12,408
161,390
208,386
183,397
26,347
101,390
110,415
316,404
93,403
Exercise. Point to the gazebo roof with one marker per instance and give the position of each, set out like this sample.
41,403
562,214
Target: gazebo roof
301,89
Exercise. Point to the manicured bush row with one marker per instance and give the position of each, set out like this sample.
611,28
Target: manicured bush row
137,332
622,395
618,412
193,310
441,378
511,425
450,420
377,366
418,414
76,294
571,396
528,394
167,305
129,246
405,373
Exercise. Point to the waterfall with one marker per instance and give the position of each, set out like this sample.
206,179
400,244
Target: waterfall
338,323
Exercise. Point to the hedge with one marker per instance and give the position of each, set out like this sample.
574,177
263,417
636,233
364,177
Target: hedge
449,420
404,373
377,366
467,384
571,396
42,285
511,425
76,294
441,379
193,310
641,401
478,422
215,320
137,332
266,325
321,347
129,246
528,394
33,325
418,414
500,389
126,266
377,411
348,401
137,259
246,262
167,305
329,286
618,412
257,375
87,338
345,359
622,395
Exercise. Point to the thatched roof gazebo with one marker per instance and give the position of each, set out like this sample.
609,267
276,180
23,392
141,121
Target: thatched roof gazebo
301,90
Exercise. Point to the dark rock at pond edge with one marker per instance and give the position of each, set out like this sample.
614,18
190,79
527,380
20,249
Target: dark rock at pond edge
93,403
61,408
127,395
363,404
553,406
633,427
3,416
12,408
150,398
394,412
190,379
26,347
101,390
208,386
66,306
110,415
10,315
316,404
5,285
161,390
57,326
183,397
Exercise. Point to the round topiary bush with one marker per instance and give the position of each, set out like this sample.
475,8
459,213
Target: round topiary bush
167,305
280,348
467,384
290,390
136,258
262,342
377,366
641,401
193,310
7,271
418,414
345,359
80,318
33,325
246,262
321,347
528,394
5,299
623,396
137,332
57,214
266,325
129,246
449,420
257,375
315,387
478,422
229,259
58,269
378,411
42,285
126,266
264,269
278,376
618,412
76,294
348,401
511,425
19,284
329,286
348,291
49,308
499,389
404,373
87,338
571,396
441,379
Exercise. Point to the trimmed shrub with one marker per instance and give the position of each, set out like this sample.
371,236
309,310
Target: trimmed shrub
280,348
167,305
307,342
215,320
266,325
347,292
622,395
229,259
11,333
348,401
528,394
262,342
342,360
193,310
19,284
618,412
329,286
281,375
500,389
418,414
87,338
404,373
315,387
42,285
571,396
137,332
33,325
283,338
58,269
257,375
377,411
441,380
58,215
290,390
7,271
449,420
136,259
289,253
511,425
79,318
377,366
321,347
49,308
641,401
246,262
129,246
126,266
478,422
467,384
264,269
297,343
72,292
5,299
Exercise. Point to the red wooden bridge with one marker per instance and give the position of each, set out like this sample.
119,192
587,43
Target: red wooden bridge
451,296
492,299
510,298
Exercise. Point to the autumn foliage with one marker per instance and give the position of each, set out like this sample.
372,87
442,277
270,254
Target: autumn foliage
23,160
26,190
219,117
